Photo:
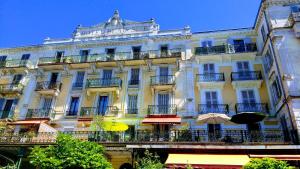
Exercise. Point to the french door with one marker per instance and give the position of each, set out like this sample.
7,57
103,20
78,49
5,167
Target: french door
106,77
163,103
102,105
163,75
212,101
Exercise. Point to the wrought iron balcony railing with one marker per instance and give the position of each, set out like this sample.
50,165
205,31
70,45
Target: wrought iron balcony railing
252,107
40,113
132,111
232,137
7,114
162,80
15,63
89,112
11,88
250,47
103,83
170,109
213,108
211,77
48,85
246,75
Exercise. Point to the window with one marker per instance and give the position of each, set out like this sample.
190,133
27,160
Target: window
132,104
102,105
268,62
136,50
163,103
206,43
214,132
74,105
47,104
211,99
243,66
135,74
79,80
285,129
276,91
295,9
208,68
2,61
25,56
163,75
263,33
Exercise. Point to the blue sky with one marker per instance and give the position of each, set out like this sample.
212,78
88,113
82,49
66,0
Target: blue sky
28,22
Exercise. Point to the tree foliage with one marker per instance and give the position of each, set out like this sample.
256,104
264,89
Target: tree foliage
150,161
69,153
267,163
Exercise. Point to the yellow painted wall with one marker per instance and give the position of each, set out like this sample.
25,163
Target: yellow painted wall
228,93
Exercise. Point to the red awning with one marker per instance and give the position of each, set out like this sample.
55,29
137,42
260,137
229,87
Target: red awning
278,157
162,120
27,122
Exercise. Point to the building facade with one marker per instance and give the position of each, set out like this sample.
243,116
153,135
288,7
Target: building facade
176,90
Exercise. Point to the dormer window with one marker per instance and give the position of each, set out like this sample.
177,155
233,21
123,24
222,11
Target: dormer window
110,53
136,50
59,56
164,51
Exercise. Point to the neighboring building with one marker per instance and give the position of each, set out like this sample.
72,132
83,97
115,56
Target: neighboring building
165,85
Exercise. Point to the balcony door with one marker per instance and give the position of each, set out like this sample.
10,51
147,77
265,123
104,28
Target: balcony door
248,100
53,80
135,76
212,101
243,70
24,59
8,107
254,132
136,50
83,55
16,80
102,105
209,71
239,45
74,106
163,75
47,105
79,80
163,103
132,104
164,51
106,77
59,56
214,132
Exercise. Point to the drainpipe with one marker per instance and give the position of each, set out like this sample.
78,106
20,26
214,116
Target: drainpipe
294,130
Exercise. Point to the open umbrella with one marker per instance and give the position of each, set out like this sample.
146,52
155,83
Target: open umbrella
114,126
214,118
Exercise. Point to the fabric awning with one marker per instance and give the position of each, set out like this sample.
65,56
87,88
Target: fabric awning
162,120
278,157
27,122
206,160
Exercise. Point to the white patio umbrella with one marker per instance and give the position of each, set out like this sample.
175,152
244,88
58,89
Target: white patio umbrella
214,118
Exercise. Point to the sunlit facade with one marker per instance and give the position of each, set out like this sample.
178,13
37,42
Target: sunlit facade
177,90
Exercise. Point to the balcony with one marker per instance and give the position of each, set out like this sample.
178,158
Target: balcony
52,63
247,113
193,137
40,114
48,88
162,82
213,108
246,79
104,85
16,65
11,89
217,53
211,80
87,113
6,114
78,61
162,110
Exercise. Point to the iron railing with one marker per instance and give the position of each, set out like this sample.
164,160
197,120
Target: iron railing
170,109
48,85
252,107
211,77
250,47
15,63
246,75
102,82
89,112
233,137
50,60
162,80
6,114
11,88
213,108
40,113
